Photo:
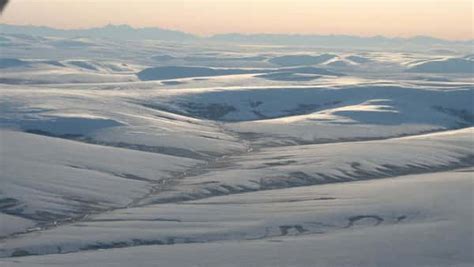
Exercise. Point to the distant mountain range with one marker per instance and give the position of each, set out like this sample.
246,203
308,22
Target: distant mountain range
109,31
127,32
298,39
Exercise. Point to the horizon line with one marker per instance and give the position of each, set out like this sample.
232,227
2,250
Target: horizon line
240,33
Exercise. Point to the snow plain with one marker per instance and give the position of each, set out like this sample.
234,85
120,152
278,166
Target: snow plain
153,153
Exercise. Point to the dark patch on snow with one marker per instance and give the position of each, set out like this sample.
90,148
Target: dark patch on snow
280,163
21,253
213,111
466,115
8,203
353,220
285,229
172,82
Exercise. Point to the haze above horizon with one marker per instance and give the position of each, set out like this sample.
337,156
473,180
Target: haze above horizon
402,18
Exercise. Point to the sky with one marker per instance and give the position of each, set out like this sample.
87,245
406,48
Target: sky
448,19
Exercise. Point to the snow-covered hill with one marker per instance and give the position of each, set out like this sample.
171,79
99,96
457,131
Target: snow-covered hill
152,152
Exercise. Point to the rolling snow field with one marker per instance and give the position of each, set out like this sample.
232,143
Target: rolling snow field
213,153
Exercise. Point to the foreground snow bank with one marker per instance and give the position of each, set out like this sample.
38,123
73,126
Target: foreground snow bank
390,222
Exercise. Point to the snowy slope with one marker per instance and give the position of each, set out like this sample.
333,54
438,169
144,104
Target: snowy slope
302,165
449,65
365,223
126,152
112,118
48,179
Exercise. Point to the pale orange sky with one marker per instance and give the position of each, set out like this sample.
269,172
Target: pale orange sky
450,19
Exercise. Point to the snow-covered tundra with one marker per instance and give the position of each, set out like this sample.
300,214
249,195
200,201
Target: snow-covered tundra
207,153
